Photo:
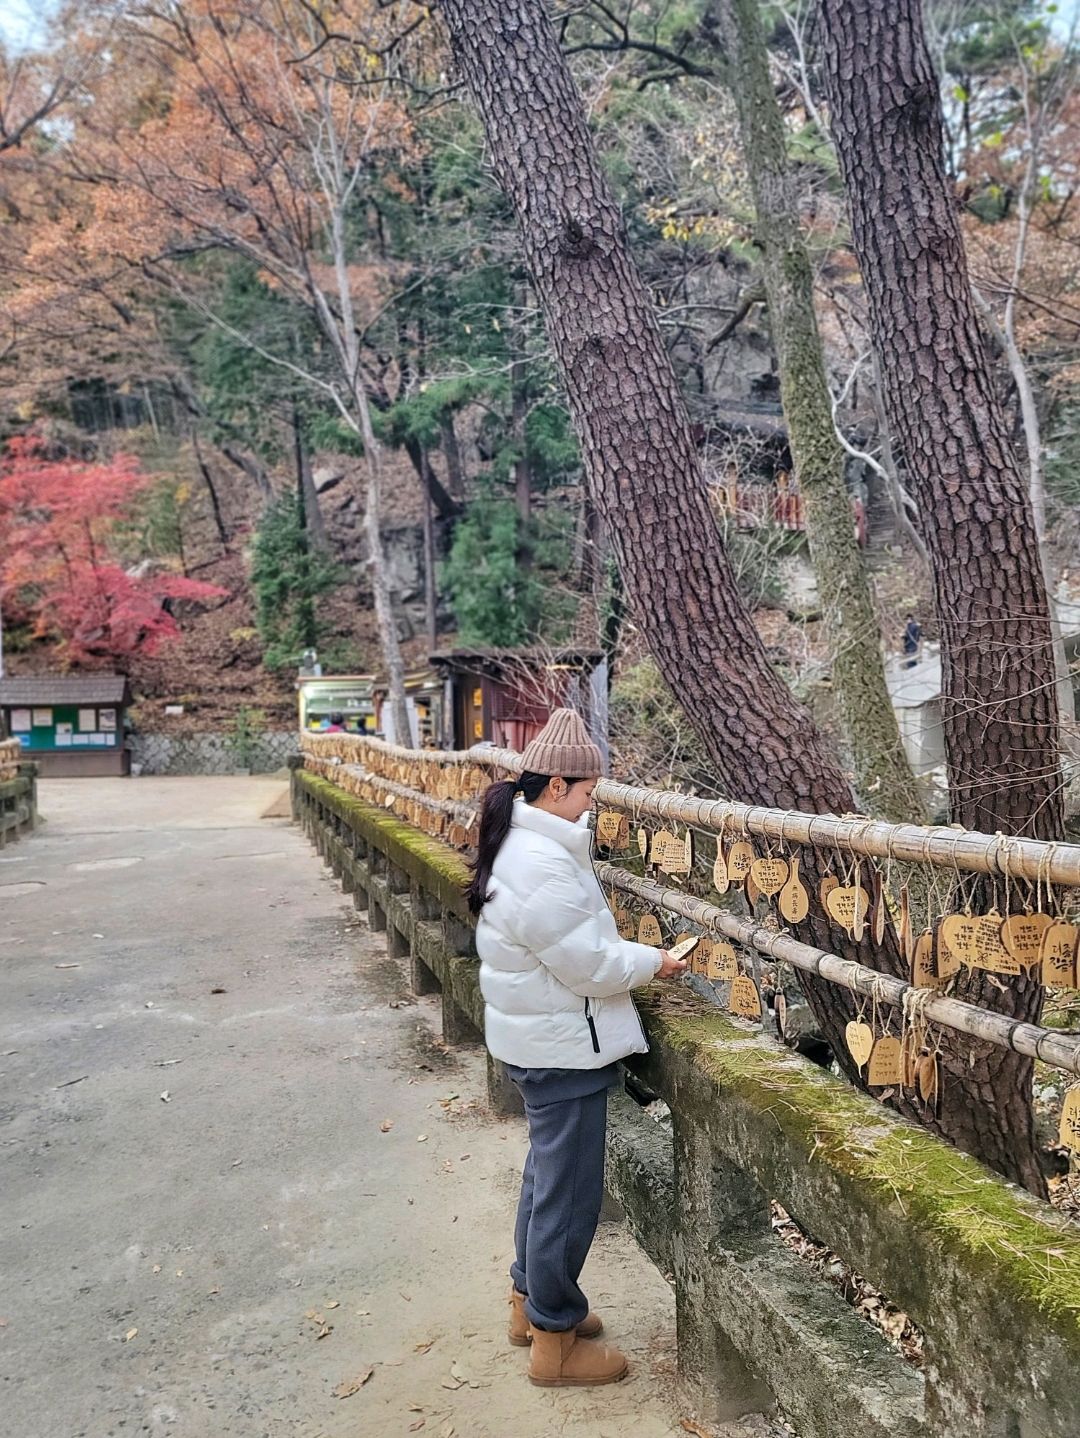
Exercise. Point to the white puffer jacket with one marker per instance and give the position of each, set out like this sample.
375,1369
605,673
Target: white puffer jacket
555,975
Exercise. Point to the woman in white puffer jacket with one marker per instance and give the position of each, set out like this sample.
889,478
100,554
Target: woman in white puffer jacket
556,979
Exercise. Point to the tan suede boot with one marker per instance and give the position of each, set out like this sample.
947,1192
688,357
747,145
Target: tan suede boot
561,1360
520,1333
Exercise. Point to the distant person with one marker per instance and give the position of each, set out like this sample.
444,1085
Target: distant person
556,979
336,724
912,641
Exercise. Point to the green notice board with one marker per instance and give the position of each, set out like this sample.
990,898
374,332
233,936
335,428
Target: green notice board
64,727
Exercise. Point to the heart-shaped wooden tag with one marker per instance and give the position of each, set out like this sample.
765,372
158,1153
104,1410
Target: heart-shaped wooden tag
721,879
723,962
649,931
1022,936
846,904
608,827
770,875
744,999
1058,955
957,936
860,1041
990,952
740,858
885,1063
794,900
923,967
1069,1127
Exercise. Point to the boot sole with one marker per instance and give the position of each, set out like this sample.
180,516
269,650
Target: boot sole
579,1382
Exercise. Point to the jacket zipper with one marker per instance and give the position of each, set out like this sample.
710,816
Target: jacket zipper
592,1028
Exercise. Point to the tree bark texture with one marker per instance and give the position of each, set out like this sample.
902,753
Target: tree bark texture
312,510
999,705
999,709
883,778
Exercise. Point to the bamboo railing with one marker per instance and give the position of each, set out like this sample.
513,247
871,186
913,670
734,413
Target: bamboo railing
439,792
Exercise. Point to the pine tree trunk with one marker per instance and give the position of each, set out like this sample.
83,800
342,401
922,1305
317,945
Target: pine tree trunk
998,702
883,778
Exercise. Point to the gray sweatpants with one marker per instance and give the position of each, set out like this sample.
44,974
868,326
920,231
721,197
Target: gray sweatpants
562,1189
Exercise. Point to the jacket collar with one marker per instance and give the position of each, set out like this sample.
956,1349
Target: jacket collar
576,838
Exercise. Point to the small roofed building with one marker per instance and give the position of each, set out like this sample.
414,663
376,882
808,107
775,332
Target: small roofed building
915,691
505,696
70,725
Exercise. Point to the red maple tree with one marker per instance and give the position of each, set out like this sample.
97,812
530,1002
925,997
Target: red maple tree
58,519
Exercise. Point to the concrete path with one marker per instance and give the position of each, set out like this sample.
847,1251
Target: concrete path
246,1192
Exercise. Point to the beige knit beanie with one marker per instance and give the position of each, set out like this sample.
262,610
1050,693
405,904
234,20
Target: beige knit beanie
563,749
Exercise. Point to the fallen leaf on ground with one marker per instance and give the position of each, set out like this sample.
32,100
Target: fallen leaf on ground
165,1097
453,1384
386,1125
348,1386
179,1273
325,1331
215,1290
333,1303
130,1334
219,990
421,1138
69,1082
67,966
156,1268
415,1427
424,1347
415,1408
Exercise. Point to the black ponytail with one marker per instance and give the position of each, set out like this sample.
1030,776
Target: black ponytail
495,813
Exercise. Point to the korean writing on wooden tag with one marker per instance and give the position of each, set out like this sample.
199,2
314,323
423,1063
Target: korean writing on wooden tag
794,900
923,968
1058,954
720,877
847,903
886,1063
1069,1127
1022,936
859,1038
739,860
612,829
723,963
649,931
684,945
769,874
744,1000
990,952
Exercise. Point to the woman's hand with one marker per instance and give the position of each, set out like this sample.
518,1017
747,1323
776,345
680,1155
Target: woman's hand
670,968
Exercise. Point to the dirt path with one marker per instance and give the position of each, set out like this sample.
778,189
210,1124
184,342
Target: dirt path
207,1229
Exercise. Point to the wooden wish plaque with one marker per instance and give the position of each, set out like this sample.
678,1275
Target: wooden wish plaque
769,875
794,901
744,1000
859,1038
723,964
649,931
720,876
740,859
613,830
886,1063
1058,955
